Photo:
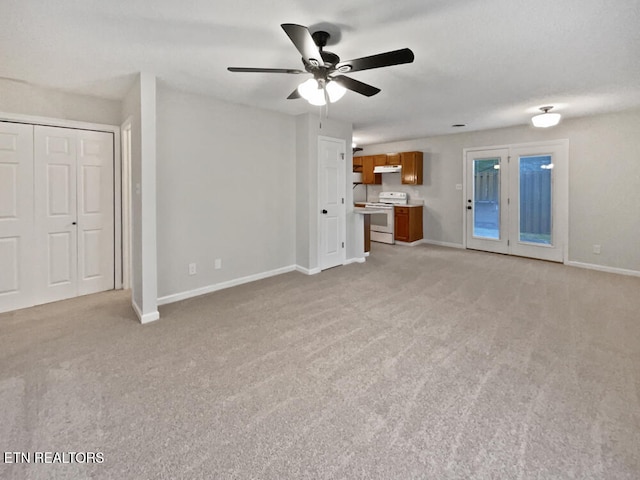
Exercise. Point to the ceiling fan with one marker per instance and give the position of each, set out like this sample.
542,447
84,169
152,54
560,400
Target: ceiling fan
328,84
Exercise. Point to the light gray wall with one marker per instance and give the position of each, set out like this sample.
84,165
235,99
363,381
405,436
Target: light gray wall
139,106
25,99
226,189
604,183
308,128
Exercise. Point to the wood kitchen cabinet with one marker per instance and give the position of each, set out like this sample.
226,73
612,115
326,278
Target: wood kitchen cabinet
408,223
393,159
380,160
411,168
368,177
357,164
367,229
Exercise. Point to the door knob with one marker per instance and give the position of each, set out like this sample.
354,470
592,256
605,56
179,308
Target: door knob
469,207
324,212
74,223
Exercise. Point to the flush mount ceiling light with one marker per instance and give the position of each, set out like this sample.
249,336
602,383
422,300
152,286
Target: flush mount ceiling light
546,119
313,91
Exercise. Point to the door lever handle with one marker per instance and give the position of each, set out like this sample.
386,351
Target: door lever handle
324,212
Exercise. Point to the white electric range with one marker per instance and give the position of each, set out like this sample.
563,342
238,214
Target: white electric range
382,224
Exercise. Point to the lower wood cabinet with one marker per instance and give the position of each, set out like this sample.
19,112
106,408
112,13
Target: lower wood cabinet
408,223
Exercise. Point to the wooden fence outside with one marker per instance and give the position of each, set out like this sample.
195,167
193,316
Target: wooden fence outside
535,198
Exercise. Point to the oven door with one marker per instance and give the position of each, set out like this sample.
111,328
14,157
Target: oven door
382,225
382,222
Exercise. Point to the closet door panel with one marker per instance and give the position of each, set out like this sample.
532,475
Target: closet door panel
95,212
16,215
55,214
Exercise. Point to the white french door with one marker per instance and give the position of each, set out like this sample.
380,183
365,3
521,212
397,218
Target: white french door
331,197
516,199
60,241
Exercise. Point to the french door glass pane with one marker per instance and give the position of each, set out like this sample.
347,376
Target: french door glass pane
535,199
486,198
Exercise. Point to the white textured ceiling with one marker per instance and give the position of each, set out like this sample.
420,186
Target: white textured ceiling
486,63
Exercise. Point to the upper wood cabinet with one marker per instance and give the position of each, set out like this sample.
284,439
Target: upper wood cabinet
357,164
368,177
411,168
393,159
380,160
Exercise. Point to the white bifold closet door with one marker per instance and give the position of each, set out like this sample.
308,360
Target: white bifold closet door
70,243
16,216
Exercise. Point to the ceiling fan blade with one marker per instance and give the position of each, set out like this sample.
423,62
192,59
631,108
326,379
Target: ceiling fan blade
295,94
386,59
303,41
356,85
265,70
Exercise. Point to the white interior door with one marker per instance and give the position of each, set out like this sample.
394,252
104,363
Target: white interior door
331,196
516,200
95,212
16,215
56,245
74,242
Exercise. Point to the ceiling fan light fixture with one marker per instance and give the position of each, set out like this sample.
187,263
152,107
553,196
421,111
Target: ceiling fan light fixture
546,119
335,91
312,92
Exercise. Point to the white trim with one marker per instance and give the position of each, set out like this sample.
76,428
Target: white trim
307,271
117,210
409,244
125,201
57,122
146,318
602,268
442,244
176,297
349,261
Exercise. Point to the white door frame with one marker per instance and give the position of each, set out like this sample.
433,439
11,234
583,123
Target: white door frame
343,225
117,172
126,203
561,177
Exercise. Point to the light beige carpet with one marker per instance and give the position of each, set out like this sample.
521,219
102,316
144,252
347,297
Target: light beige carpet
424,362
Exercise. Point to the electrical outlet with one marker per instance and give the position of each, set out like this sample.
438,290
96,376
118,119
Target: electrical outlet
192,269
218,264
596,249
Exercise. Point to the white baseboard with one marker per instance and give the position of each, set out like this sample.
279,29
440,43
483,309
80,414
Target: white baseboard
442,244
147,317
354,260
409,244
307,271
601,268
176,297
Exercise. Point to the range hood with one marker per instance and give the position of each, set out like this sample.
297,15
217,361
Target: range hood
387,169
